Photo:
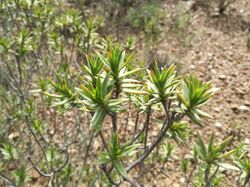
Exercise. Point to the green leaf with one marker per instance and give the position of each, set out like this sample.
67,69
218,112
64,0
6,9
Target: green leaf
193,94
120,168
203,114
130,72
134,91
224,144
9,152
52,95
129,150
195,118
202,151
104,158
211,143
227,154
228,166
20,175
59,103
98,119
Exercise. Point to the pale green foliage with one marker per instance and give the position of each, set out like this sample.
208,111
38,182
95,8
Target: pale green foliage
184,165
38,126
193,94
130,43
213,157
139,18
116,153
167,150
242,161
99,99
117,63
179,131
244,165
162,84
54,158
20,175
213,154
93,68
149,18
9,152
66,174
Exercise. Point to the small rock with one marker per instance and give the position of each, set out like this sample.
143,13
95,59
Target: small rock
241,11
214,71
240,92
230,53
247,103
247,141
192,66
222,77
14,136
210,67
210,54
216,109
130,122
202,62
218,125
244,108
190,4
182,180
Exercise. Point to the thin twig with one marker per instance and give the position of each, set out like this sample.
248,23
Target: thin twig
88,148
54,170
146,127
107,174
103,141
191,174
207,180
5,179
132,183
167,124
114,119
215,172
136,126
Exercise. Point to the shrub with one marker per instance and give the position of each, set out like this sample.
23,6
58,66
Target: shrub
105,90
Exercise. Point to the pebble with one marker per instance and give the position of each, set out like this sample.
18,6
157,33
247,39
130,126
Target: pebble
210,67
13,135
247,141
240,92
244,108
182,180
192,66
222,77
247,103
218,125
214,71
241,11
230,54
190,4
216,109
